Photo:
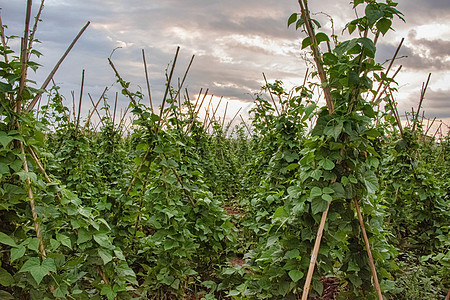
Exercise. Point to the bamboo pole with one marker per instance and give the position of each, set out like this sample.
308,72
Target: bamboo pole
422,96
37,227
147,80
167,90
55,68
376,96
121,82
95,108
24,56
79,106
270,93
369,253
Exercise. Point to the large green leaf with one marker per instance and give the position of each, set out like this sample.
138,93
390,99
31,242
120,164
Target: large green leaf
7,240
318,205
296,275
6,279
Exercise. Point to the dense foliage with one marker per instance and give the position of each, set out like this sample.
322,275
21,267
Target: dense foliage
173,208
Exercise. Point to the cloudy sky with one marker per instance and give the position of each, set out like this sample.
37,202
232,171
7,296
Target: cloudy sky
234,42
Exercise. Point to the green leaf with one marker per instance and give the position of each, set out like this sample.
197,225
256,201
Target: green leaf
357,2
292,254
383,25
353,78
322,37
373,13
316,192
34,245
330,59
105,256
83,236
65,240
170,244
6,279
326,164
345,46
318,205
280,213
299,23
368,44
296,275
7,240
334,131
38,271
371,182
327,197
306,42
103,240
292,19
5,88
17,252
108,292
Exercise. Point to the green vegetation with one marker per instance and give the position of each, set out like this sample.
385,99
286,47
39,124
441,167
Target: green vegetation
176,208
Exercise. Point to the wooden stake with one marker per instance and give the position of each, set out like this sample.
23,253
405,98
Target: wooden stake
79,106
52,73
167,90
95,108
369,253
37,227
422,96
270,93
147,80
314,254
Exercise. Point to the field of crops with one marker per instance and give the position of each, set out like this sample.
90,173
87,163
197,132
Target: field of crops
343,201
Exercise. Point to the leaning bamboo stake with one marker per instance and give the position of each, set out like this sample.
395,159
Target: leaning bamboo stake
316,54
95,108
3,39
52,73
386,86
245,124
167,90
422,96
24,57
312,262
270,93
147,80
41,168
196,113
229,124
37,227
115,108
376,96
33,32
369,253
121,82
79,106
224,115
